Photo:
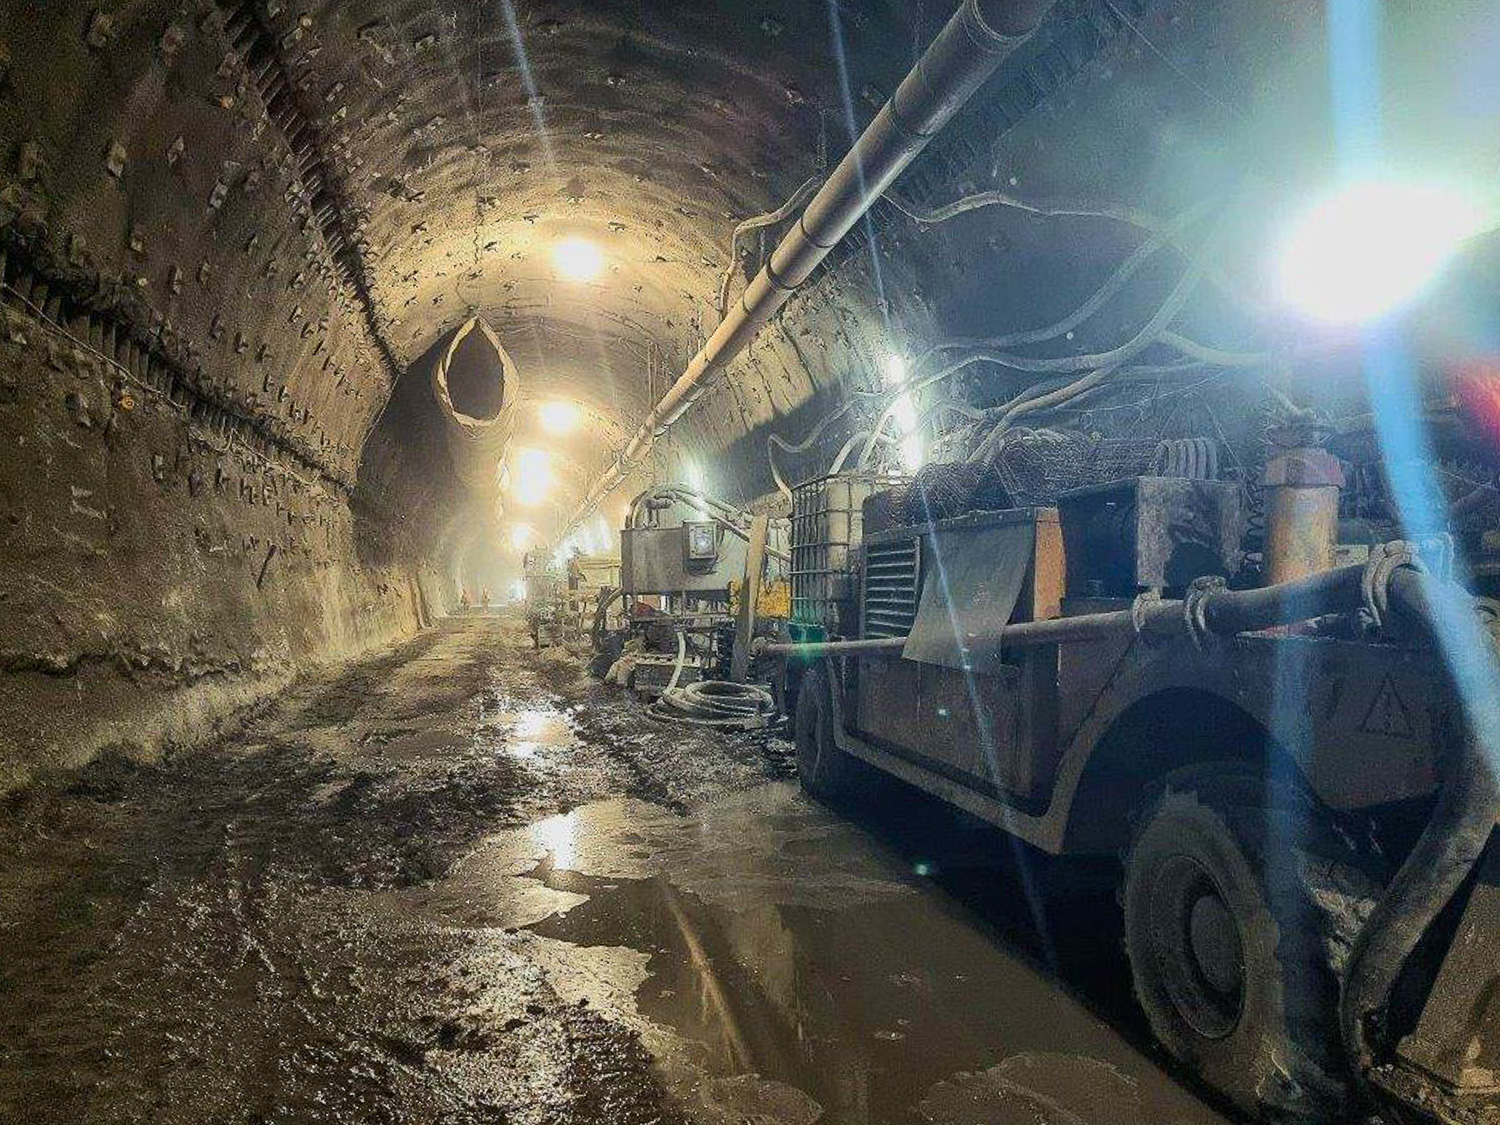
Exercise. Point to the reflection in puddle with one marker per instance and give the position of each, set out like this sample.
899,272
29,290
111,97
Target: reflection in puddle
531,731
559,836
766,957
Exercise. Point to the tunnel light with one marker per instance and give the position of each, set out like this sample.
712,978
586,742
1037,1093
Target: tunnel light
520,536
1371,247
578,259
694,476
895,369
604,534
904,414
518,589
558,417
531,476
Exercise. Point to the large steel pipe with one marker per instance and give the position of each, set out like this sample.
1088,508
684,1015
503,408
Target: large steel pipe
476,386
1223,612
966,52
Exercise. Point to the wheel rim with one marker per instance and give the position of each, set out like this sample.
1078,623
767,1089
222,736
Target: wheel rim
1197,947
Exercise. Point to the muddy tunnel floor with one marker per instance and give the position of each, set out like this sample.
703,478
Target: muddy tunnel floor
461,882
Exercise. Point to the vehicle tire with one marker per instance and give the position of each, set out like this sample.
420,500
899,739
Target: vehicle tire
826,772
1227,948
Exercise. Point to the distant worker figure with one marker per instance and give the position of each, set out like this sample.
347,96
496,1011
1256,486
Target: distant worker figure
484,597
463,599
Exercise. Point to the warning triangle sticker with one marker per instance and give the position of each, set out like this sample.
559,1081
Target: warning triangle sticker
1388,715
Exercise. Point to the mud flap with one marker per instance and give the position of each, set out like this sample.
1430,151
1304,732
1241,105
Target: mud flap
1456,1041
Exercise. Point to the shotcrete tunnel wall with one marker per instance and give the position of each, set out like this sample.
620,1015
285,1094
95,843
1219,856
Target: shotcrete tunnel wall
186,375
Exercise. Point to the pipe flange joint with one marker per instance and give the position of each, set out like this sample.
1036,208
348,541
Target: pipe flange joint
1375,583
986,38
1195,601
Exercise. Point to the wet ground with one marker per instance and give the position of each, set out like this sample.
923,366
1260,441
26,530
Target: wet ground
460,882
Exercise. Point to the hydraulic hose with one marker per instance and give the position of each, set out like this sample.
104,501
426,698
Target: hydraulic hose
681,660
1456,833
717,703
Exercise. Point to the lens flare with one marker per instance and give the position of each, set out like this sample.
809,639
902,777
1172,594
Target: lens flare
1371,247
904,414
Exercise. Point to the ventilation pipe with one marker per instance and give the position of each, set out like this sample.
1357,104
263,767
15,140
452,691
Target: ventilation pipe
979,37
475,384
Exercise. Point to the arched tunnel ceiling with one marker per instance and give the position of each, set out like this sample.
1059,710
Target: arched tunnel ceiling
469,139
298,201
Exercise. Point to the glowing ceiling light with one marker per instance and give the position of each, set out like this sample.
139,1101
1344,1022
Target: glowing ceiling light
1370,247
520,536
518,589
578,259
559,417
530,476
895,369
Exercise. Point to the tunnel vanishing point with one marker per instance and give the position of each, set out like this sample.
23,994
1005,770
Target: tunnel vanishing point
324,325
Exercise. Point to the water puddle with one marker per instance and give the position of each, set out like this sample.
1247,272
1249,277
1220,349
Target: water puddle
785,966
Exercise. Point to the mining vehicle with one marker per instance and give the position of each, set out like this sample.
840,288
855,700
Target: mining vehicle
1288,759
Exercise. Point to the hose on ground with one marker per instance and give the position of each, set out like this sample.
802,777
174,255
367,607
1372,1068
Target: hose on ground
681,660
717,703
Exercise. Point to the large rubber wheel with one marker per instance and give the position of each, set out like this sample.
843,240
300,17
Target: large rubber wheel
1228,950
826,772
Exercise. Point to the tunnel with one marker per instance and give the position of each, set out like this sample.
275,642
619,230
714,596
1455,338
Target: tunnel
846,561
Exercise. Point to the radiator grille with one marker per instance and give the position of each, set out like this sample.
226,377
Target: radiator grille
890,593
